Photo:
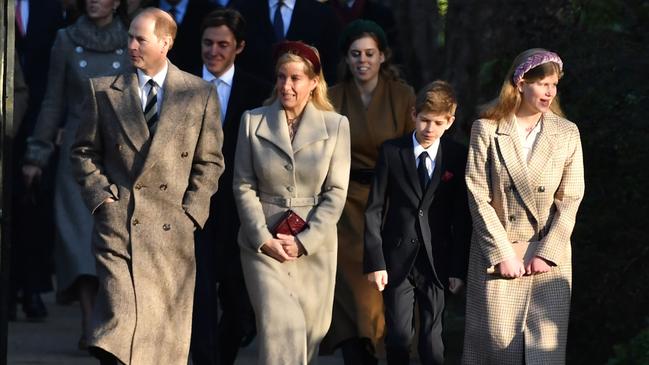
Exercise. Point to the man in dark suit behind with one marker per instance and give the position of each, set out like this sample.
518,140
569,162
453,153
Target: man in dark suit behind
418,227
188,15
217,251
36,24
309,21
148,159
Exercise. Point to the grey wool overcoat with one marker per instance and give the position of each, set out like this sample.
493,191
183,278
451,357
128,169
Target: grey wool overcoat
144,242
292,300
523,320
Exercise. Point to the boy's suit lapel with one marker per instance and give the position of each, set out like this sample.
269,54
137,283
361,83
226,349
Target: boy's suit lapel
437,175
410,165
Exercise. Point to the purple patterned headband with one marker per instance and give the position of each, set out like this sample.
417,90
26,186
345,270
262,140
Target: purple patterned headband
535,60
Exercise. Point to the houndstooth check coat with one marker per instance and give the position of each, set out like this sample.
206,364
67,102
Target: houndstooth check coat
524,320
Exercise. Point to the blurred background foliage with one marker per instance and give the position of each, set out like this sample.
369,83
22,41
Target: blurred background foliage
605,91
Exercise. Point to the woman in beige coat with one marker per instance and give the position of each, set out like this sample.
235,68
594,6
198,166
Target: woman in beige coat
378,105
291,154
525,181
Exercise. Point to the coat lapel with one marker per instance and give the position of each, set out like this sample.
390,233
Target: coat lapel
408,159
510,148
172,113
542,151
123,96
317,130
273,129
437,174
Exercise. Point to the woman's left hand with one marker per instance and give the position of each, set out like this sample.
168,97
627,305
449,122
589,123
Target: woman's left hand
537,265
291,245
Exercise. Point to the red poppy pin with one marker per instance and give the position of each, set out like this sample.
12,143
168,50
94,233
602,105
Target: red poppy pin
447,176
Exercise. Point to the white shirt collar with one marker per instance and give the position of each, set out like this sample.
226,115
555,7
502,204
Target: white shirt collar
432,149
226,78
159,78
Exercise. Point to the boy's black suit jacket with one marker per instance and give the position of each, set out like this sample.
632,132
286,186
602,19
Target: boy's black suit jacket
400,216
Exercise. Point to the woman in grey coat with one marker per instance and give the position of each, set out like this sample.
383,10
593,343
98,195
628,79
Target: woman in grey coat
95,45
293,153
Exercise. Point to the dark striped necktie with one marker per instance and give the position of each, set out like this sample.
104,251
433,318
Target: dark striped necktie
278,22
151,108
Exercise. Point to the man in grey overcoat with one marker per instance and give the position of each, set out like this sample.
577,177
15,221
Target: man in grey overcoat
148,159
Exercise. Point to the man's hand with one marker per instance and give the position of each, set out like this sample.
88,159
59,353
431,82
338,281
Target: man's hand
455,285
274,249
537,265
31,175
511,268
379,279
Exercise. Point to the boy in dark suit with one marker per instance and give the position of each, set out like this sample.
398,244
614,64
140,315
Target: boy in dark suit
418,226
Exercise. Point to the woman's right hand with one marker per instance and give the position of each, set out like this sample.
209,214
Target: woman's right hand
31,175
274,249
511,268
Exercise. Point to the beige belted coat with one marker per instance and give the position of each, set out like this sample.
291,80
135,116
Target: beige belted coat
292,300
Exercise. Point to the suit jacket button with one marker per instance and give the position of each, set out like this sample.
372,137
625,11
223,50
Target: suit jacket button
138,186
541,189
184,154
136,222
163,187
166,226
413,241
421,213
512,218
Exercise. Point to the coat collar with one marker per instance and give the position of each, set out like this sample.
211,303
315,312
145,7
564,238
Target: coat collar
526,176
273,128
124,97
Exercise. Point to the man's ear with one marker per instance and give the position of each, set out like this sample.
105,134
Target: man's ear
241,46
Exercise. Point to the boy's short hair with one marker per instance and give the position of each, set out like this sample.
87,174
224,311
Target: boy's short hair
437,97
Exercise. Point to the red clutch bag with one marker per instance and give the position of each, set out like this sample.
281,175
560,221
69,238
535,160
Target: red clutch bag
289,224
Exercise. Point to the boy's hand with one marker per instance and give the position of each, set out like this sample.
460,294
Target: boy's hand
379,279
455,285
537,265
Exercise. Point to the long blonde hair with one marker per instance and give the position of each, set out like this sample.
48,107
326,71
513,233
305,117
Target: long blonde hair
509,100
319,96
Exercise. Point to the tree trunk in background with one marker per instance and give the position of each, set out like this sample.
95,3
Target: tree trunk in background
418,23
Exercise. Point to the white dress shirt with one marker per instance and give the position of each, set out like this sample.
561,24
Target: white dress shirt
528,139
287,12
432,154
223,87
159,78
181,9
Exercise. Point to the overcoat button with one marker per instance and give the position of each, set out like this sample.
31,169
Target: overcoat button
290,188
138,186
413,241
163,187
289,167
184,154
541,189
136,222
118,146
166,226
512,218
421,213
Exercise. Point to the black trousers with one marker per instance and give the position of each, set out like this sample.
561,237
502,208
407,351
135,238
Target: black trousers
399,301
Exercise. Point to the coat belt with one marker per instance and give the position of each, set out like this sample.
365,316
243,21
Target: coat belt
288,202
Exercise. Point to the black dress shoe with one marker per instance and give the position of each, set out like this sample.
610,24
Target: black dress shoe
34,307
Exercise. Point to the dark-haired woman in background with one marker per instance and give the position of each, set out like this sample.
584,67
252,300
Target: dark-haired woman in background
378,104
95,45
